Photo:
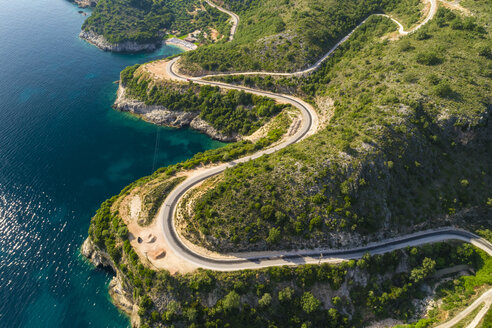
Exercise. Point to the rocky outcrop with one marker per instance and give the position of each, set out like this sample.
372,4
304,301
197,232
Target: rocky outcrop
95,256
202,126
103,44
121,293
162,116
85,3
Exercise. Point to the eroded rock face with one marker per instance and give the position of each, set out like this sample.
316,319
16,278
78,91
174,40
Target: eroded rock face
162,116
158,115
202,126
96,257
100,42
121,293
85,3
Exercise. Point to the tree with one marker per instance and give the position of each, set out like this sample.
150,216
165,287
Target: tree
420,273
285,294
273,236
267,212
336,300
265,300
231,301
191,314
123,232
201,281
309,303
145,305
315,223
172,311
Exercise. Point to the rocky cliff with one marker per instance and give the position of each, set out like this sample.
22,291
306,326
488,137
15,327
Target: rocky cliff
85,3
121,293
100,42
162,116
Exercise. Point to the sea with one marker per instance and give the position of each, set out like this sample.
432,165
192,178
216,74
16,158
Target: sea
63,151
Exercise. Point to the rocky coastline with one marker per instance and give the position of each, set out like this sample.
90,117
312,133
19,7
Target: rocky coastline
121,293
162,116
85,3
130,47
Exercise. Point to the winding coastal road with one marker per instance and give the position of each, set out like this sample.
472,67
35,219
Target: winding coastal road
234,18
308,127
484,298
401,30
232,262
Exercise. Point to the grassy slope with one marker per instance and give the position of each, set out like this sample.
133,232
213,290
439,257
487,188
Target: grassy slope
289,35
408,146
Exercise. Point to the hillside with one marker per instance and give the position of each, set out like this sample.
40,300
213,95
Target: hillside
289,35
407,147
403,144
150,21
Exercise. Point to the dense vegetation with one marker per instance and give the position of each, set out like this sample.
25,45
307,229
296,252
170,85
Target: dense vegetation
289,35
148,21
345,295
408,146
233,112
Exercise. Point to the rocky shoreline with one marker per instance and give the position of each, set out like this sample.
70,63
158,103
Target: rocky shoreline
85,3
120,292
103,44
162,116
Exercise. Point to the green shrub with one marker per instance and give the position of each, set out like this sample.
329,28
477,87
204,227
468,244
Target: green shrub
484,50
443,89
309,303
285,295
273,236
231,301
265,300
428,58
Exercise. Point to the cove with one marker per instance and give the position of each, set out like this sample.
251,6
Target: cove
63,151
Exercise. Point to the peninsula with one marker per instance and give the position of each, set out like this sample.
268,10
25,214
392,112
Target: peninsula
356,187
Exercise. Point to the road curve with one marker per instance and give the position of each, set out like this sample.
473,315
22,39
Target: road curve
309,124
482,313
484,298
267,259
315,66
234,18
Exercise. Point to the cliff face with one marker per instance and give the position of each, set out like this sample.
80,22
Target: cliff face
85,3
162,116
121,293
100,42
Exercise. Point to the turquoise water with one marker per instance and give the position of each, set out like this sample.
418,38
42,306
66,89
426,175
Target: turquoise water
63,150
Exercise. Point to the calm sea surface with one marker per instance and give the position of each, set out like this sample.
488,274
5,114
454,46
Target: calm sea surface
63,151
